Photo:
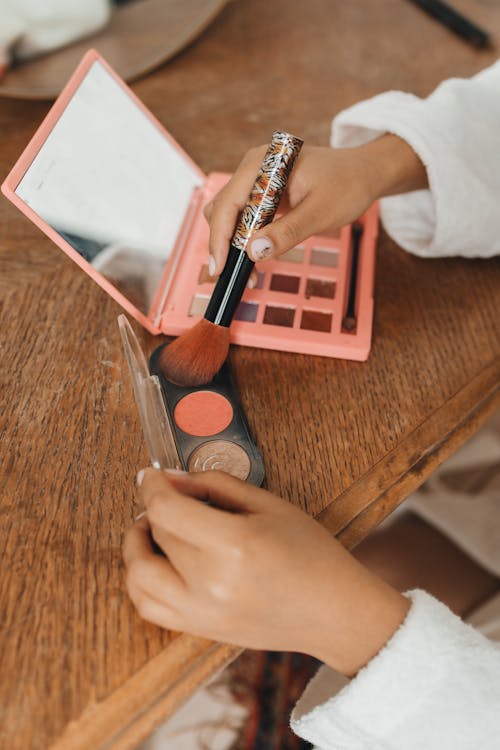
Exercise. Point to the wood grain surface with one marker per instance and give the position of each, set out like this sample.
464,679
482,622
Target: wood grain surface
346,441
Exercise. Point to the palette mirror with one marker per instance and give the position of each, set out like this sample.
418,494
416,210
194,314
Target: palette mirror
112,185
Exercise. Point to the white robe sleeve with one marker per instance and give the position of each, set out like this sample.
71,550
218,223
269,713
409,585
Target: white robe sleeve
456,134
434,685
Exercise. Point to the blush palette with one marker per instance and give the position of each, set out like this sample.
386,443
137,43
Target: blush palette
197,429
209,426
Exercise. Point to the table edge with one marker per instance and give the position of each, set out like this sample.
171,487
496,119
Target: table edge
147,699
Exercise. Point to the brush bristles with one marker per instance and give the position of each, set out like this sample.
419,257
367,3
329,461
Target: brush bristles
196,356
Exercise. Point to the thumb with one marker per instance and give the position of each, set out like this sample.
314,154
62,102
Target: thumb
223,491
285,233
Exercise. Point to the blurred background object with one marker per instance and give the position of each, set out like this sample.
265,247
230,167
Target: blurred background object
29,28
41,43
456,22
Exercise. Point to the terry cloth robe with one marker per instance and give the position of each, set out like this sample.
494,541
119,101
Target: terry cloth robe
436,684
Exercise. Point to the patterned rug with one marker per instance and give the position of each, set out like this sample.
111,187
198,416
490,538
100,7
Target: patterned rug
268,684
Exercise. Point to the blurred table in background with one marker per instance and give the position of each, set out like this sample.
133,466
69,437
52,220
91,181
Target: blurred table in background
346,441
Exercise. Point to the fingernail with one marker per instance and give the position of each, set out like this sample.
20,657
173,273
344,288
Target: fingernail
211,265
251,283
261,248
140,477
175,471
141,515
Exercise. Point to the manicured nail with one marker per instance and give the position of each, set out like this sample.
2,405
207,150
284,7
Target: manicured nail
175,471
140,477
211,265
141,515
251,283
261,248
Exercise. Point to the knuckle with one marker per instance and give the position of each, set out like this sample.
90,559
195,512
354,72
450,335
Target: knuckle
136,595
289,233
156,504
142,607
217,476
215,203
254,154
238,550
222,196
251,154
130,582
220,591
137,573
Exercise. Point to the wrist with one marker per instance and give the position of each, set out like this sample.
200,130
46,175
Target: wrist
372,611
393,167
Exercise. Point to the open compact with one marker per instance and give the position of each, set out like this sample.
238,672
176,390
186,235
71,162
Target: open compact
196,429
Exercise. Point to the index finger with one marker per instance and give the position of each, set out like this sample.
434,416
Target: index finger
228,203
182,515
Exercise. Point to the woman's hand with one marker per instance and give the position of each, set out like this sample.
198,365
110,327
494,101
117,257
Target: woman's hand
327,189
253,570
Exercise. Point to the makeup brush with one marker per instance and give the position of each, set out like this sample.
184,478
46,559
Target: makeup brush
349,319
197,355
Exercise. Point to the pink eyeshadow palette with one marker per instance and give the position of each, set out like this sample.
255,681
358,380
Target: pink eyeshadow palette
300,297
125,202
209,426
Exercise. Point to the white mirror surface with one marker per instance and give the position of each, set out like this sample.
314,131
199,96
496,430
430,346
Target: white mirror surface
112,185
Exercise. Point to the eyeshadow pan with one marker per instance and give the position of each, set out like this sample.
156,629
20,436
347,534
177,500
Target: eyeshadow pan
279,316
221,455
198,305
295,255
260,279
323,257
283,283
203,413
320,288
247,311
313,320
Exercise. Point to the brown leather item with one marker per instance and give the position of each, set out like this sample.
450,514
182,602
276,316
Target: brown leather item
140,36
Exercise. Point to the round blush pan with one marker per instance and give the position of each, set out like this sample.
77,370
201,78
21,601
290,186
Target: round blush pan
203,413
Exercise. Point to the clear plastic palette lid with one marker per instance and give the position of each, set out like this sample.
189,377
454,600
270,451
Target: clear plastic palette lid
149,398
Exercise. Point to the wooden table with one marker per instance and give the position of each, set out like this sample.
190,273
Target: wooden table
347,441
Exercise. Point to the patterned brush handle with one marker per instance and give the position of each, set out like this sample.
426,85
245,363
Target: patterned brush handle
260,210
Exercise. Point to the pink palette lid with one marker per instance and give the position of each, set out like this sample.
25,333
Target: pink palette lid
109,185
